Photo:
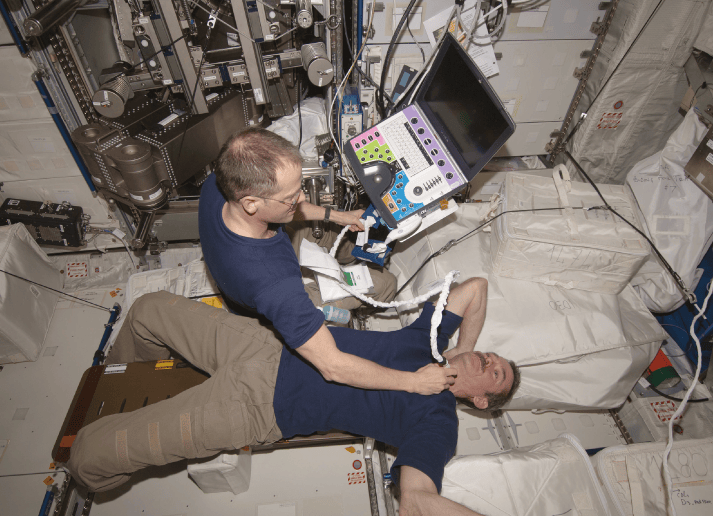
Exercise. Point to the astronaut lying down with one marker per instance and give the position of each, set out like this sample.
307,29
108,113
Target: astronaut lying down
260,391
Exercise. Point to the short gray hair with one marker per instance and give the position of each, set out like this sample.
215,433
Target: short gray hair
248,163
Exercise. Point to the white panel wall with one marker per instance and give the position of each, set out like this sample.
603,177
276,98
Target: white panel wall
35,163
537,55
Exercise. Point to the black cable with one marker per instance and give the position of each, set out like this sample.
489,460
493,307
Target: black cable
579,123
453,242
162,49
57,291
380,104
689,296
673,398
299,110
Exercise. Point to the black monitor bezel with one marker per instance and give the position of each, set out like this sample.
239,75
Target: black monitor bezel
440,130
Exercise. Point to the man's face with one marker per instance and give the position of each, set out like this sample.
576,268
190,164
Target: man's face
480,373
289,190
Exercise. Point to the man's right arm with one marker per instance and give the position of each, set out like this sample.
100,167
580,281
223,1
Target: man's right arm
419,497
337,366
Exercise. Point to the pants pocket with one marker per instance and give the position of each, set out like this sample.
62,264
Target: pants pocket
225,425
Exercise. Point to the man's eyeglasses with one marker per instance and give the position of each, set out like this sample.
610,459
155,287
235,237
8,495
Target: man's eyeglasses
291,204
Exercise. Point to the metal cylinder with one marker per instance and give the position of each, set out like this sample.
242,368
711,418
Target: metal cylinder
49,15
319,68
314,185
134,161
110,100
305,19
141,235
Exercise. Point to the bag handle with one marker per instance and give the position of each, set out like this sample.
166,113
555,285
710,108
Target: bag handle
635,488
563,184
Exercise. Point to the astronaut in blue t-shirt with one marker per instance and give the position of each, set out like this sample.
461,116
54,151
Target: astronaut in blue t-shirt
256,189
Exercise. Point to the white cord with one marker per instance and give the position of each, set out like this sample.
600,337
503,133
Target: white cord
126,246
679,411
437,312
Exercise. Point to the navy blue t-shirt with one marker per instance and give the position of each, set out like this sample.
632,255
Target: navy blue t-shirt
423,428
262,275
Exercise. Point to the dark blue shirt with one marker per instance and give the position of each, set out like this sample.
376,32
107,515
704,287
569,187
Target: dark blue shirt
423,428
262,275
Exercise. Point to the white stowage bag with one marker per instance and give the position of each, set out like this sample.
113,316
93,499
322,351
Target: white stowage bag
559,244
314,123
25,309
191,280
554,477
679,217
577,349
632,478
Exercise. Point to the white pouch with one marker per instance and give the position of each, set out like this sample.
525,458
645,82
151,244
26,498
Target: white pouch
569,247
228,472
632,477
554,477
25,309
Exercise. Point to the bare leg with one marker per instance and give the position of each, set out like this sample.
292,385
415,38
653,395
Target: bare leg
469,300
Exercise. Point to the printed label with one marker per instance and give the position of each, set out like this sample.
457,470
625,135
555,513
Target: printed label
164,364
35,291
356,478
709,158
77,270
664,410
115,369
609,120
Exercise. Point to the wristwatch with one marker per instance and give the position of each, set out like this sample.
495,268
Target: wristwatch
327,211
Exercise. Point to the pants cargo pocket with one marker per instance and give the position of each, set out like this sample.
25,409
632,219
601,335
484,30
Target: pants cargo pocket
225,425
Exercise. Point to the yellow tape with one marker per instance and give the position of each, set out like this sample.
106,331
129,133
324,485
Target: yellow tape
164,364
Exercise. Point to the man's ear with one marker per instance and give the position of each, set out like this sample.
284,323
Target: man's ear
249,204
480,401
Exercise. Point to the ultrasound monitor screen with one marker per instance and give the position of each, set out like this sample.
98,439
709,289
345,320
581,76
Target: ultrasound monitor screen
463,107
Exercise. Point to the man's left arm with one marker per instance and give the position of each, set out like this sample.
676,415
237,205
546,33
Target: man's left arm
309,211
419,497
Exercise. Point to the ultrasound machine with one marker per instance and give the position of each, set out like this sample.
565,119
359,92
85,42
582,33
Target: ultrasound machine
427,152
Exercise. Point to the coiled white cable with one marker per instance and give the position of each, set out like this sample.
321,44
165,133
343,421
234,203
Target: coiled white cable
437,312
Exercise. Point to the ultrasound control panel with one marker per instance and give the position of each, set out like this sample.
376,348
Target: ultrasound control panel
402,165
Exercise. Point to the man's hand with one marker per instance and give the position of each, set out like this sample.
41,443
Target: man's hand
432,379
348,218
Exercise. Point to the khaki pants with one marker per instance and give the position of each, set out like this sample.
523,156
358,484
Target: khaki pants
232,409
384,281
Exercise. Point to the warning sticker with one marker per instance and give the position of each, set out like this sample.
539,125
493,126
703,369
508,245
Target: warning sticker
664,410
356,478
48,481
164,364
77,270
609,120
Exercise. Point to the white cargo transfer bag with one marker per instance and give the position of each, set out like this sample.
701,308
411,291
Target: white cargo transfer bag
554,477
191,280
576,349
570,247
25,309
632,477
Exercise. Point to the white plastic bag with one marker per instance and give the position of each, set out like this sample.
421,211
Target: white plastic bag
679,217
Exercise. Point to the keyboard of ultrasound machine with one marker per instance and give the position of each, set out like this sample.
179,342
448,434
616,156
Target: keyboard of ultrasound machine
411,154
